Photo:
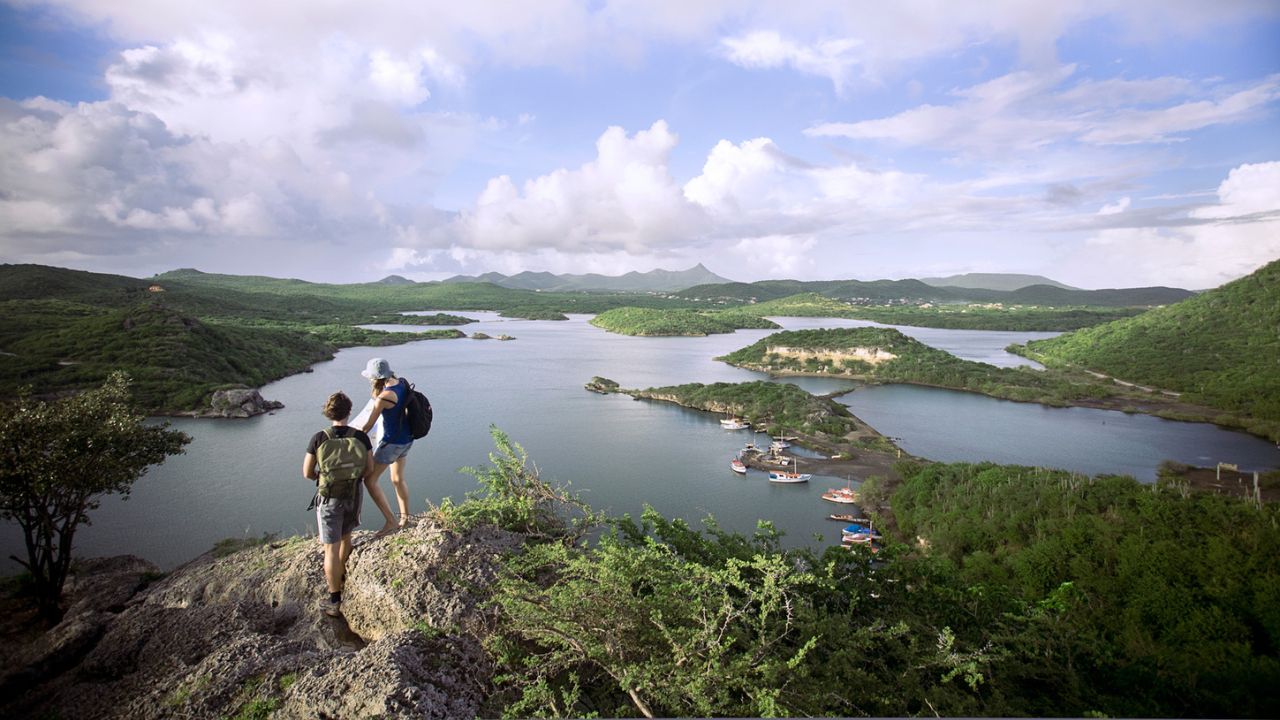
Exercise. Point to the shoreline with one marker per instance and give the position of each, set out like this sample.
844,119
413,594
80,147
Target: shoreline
1165,408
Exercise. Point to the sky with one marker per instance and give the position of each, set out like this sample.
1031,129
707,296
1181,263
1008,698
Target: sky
1102,144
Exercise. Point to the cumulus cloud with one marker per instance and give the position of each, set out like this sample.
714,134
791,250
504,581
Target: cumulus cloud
623,199
1233,237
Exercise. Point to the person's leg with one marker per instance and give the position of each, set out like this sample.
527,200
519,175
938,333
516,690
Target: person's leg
344,553
402,489
334,571
380,499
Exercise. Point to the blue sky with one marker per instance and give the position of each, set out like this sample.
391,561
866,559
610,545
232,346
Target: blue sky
1100,143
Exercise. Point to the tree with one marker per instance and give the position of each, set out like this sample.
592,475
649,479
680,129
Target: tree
57,460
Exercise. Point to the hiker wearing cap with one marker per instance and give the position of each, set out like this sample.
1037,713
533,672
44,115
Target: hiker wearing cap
392,451
337,459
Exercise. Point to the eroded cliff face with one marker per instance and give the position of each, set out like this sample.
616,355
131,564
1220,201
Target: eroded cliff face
223,635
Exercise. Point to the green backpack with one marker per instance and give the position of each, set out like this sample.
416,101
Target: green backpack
341,461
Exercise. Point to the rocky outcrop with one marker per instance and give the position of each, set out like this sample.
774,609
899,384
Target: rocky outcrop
238,403
243,634
603,385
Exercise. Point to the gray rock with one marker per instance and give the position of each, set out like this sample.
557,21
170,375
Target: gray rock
239,403
220,636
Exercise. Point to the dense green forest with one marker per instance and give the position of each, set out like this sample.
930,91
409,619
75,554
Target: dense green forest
654,322
1220,348
1021,592
899,291
886,355
958,316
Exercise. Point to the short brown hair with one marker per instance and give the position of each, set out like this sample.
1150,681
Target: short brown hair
338,406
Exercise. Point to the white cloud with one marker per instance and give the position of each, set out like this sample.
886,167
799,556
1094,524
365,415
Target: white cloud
1115,208
832,59
1029,109
623,199
1243,235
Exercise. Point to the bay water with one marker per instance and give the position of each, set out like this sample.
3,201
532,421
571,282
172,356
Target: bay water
243,478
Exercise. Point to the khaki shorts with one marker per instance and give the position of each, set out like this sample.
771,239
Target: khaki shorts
338,517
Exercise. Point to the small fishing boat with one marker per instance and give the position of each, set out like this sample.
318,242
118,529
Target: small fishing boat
738,466
779,445
845,495
840,495
856,530
733,424
846,517
782,476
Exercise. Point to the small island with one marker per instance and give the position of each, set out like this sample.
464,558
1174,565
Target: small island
533,313
651,322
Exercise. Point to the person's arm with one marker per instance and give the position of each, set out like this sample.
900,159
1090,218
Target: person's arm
383,403
309,469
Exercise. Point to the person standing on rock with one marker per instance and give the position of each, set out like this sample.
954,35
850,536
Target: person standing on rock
390,393
338,458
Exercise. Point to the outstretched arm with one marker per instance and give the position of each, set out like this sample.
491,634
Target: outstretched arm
382,404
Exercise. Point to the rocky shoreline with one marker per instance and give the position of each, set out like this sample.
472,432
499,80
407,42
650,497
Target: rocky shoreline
222,636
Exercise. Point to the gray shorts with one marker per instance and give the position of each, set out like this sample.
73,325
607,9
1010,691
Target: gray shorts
338,517
387,453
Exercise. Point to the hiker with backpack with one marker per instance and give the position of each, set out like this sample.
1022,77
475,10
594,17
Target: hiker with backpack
337,459
392,395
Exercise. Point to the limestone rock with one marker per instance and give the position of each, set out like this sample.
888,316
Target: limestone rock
227,636
239,403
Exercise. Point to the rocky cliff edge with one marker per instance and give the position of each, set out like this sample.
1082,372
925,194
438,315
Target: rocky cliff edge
242,635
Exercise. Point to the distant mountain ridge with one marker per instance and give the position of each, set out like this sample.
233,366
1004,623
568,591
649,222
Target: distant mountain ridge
881,291
652,281
994,281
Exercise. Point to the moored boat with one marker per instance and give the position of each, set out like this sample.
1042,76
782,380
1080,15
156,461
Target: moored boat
844,496
846,517
738,466
733,424
782,476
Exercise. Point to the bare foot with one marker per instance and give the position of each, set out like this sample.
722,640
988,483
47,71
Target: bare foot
407,521
387,530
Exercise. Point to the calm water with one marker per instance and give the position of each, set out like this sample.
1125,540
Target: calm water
244,477
953,426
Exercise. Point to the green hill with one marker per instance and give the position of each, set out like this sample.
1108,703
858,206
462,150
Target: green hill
897,291
993,281
886,355
64,330
653,322
1220,348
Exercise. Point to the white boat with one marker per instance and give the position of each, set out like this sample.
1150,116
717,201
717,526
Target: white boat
782,476
733,424
738,466
779,445
845,495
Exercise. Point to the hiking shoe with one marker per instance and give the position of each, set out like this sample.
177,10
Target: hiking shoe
332,609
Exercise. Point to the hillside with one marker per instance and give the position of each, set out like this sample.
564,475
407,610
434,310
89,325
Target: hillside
879,292
993,281
1010,592
651,322
382,297
886,355
652,281
1220,348
66,329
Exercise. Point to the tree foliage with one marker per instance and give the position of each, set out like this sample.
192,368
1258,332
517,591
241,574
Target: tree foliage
1220,348
1023,592
57,460
654,321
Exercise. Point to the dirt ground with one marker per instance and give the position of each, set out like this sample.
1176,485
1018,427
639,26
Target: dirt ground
1235,484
